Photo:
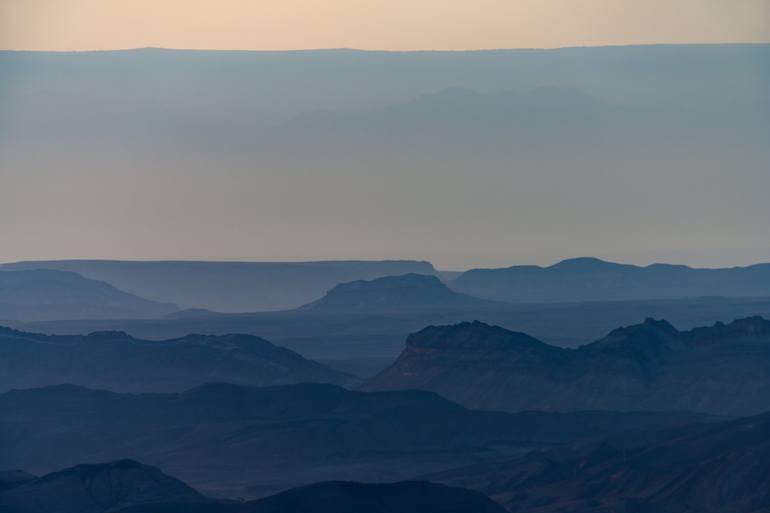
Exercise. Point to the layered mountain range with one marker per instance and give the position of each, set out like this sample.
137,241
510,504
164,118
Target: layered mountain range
343,285
243,441
714,467
720,369
229,286
117,361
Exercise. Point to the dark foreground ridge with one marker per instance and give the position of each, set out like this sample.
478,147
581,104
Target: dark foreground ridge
651,366
259,440
350,497
701,468
127,486
95,489
716,469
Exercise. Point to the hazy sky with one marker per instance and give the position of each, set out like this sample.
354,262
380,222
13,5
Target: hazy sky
375,24
650,154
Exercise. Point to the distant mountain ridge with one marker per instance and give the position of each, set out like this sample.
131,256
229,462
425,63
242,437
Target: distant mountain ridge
394,292
116,361
42,295
230,286
592,279
650,366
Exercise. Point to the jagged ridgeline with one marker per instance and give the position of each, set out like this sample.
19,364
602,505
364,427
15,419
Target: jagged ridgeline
720,369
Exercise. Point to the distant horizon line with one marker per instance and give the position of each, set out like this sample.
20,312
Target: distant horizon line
374,50
415,260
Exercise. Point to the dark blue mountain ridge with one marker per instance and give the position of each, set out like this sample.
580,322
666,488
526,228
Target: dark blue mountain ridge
117,361
260,439
650,366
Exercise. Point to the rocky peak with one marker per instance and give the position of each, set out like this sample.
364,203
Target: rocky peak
472,337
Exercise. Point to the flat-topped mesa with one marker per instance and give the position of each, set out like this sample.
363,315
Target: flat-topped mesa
649,366
404,291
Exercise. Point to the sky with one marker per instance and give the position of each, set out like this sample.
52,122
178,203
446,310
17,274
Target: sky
375,24
173,155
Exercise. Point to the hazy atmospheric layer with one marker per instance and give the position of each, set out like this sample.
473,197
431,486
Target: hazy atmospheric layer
465,159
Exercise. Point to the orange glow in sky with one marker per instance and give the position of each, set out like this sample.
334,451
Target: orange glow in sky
375,24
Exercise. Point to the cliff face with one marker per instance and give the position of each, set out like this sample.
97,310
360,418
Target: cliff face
650,366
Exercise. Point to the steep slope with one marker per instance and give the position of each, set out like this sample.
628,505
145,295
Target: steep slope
719,469
96,489
394,292
116,361
651,366
591,279
230,286
39,295
257,440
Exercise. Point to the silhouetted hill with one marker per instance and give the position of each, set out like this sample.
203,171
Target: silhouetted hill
96,488
651,366
230,286
591,279
394,292
724,468
117,361
257,440
129,487
38,295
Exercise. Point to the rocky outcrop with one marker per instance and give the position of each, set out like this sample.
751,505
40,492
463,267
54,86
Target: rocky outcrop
651,366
